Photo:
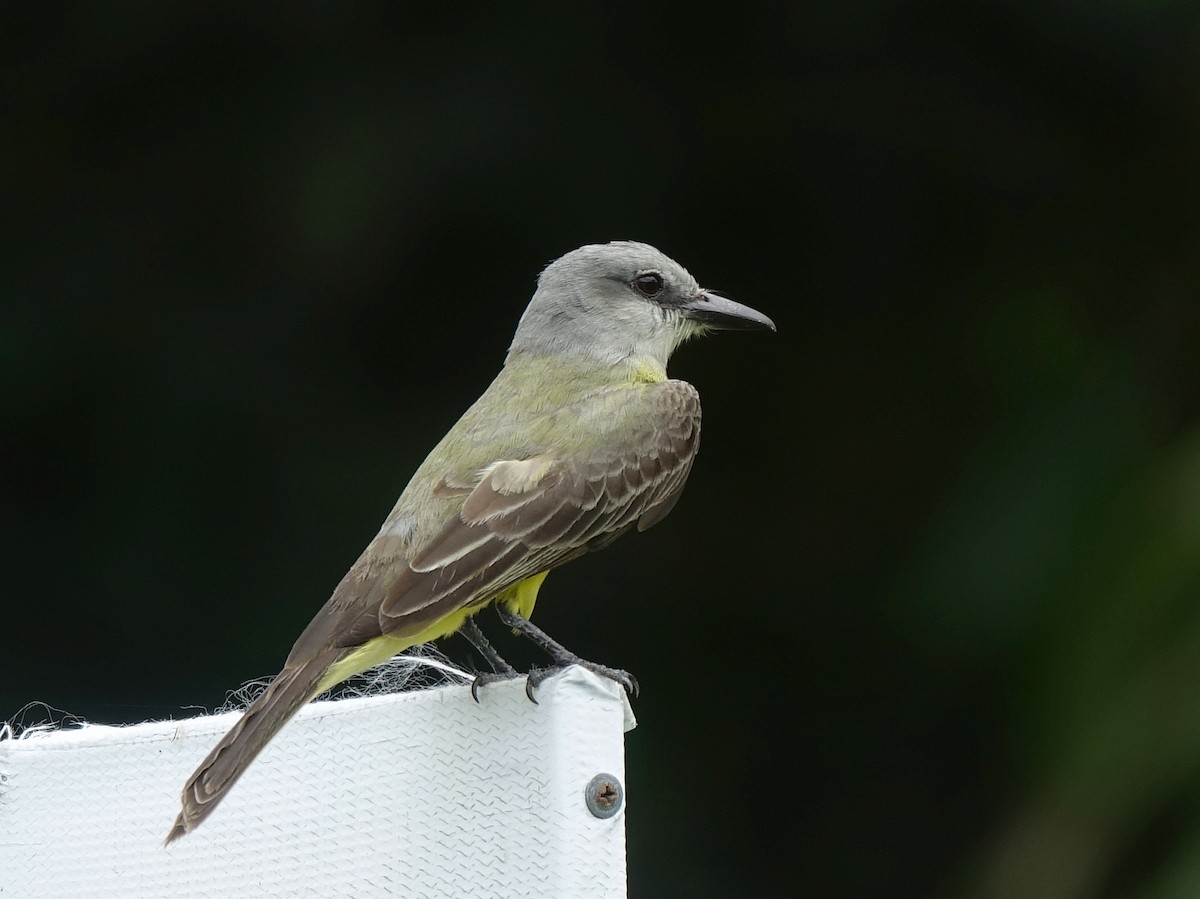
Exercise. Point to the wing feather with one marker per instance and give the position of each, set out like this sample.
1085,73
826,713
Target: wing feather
524,516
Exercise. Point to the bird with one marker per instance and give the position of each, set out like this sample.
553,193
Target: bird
580,438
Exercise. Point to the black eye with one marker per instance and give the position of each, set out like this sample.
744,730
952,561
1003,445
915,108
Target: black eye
649,285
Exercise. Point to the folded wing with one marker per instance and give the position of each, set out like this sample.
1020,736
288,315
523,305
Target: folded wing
524,516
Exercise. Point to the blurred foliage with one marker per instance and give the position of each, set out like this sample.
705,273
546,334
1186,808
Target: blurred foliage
927,621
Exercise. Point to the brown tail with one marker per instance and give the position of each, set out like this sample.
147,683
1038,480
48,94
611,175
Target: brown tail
291,689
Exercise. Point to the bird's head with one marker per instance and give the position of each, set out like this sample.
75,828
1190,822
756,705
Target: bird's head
623,301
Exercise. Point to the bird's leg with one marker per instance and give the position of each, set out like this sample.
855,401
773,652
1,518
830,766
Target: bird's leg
475,637
501,670
562,656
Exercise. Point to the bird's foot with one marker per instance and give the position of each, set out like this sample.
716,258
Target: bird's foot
537,675
563,657
483,678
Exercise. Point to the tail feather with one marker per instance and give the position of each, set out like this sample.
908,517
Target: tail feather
208,785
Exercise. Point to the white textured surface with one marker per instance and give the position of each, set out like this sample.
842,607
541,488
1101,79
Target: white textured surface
416,794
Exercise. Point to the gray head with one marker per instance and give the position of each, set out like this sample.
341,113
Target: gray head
622,301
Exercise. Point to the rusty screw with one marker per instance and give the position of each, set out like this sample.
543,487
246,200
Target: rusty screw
604,795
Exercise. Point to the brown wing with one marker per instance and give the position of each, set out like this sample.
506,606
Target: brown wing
525,516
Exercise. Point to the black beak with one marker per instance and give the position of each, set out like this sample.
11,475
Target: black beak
724,314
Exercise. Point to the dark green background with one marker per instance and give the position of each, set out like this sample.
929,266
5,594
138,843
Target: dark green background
927,620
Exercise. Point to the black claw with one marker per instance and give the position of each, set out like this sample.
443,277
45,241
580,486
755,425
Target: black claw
488,677
624,678
532,681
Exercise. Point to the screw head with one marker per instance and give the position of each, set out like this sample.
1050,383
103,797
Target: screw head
604,795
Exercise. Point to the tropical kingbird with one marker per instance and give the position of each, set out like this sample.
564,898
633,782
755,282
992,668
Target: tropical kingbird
580,437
